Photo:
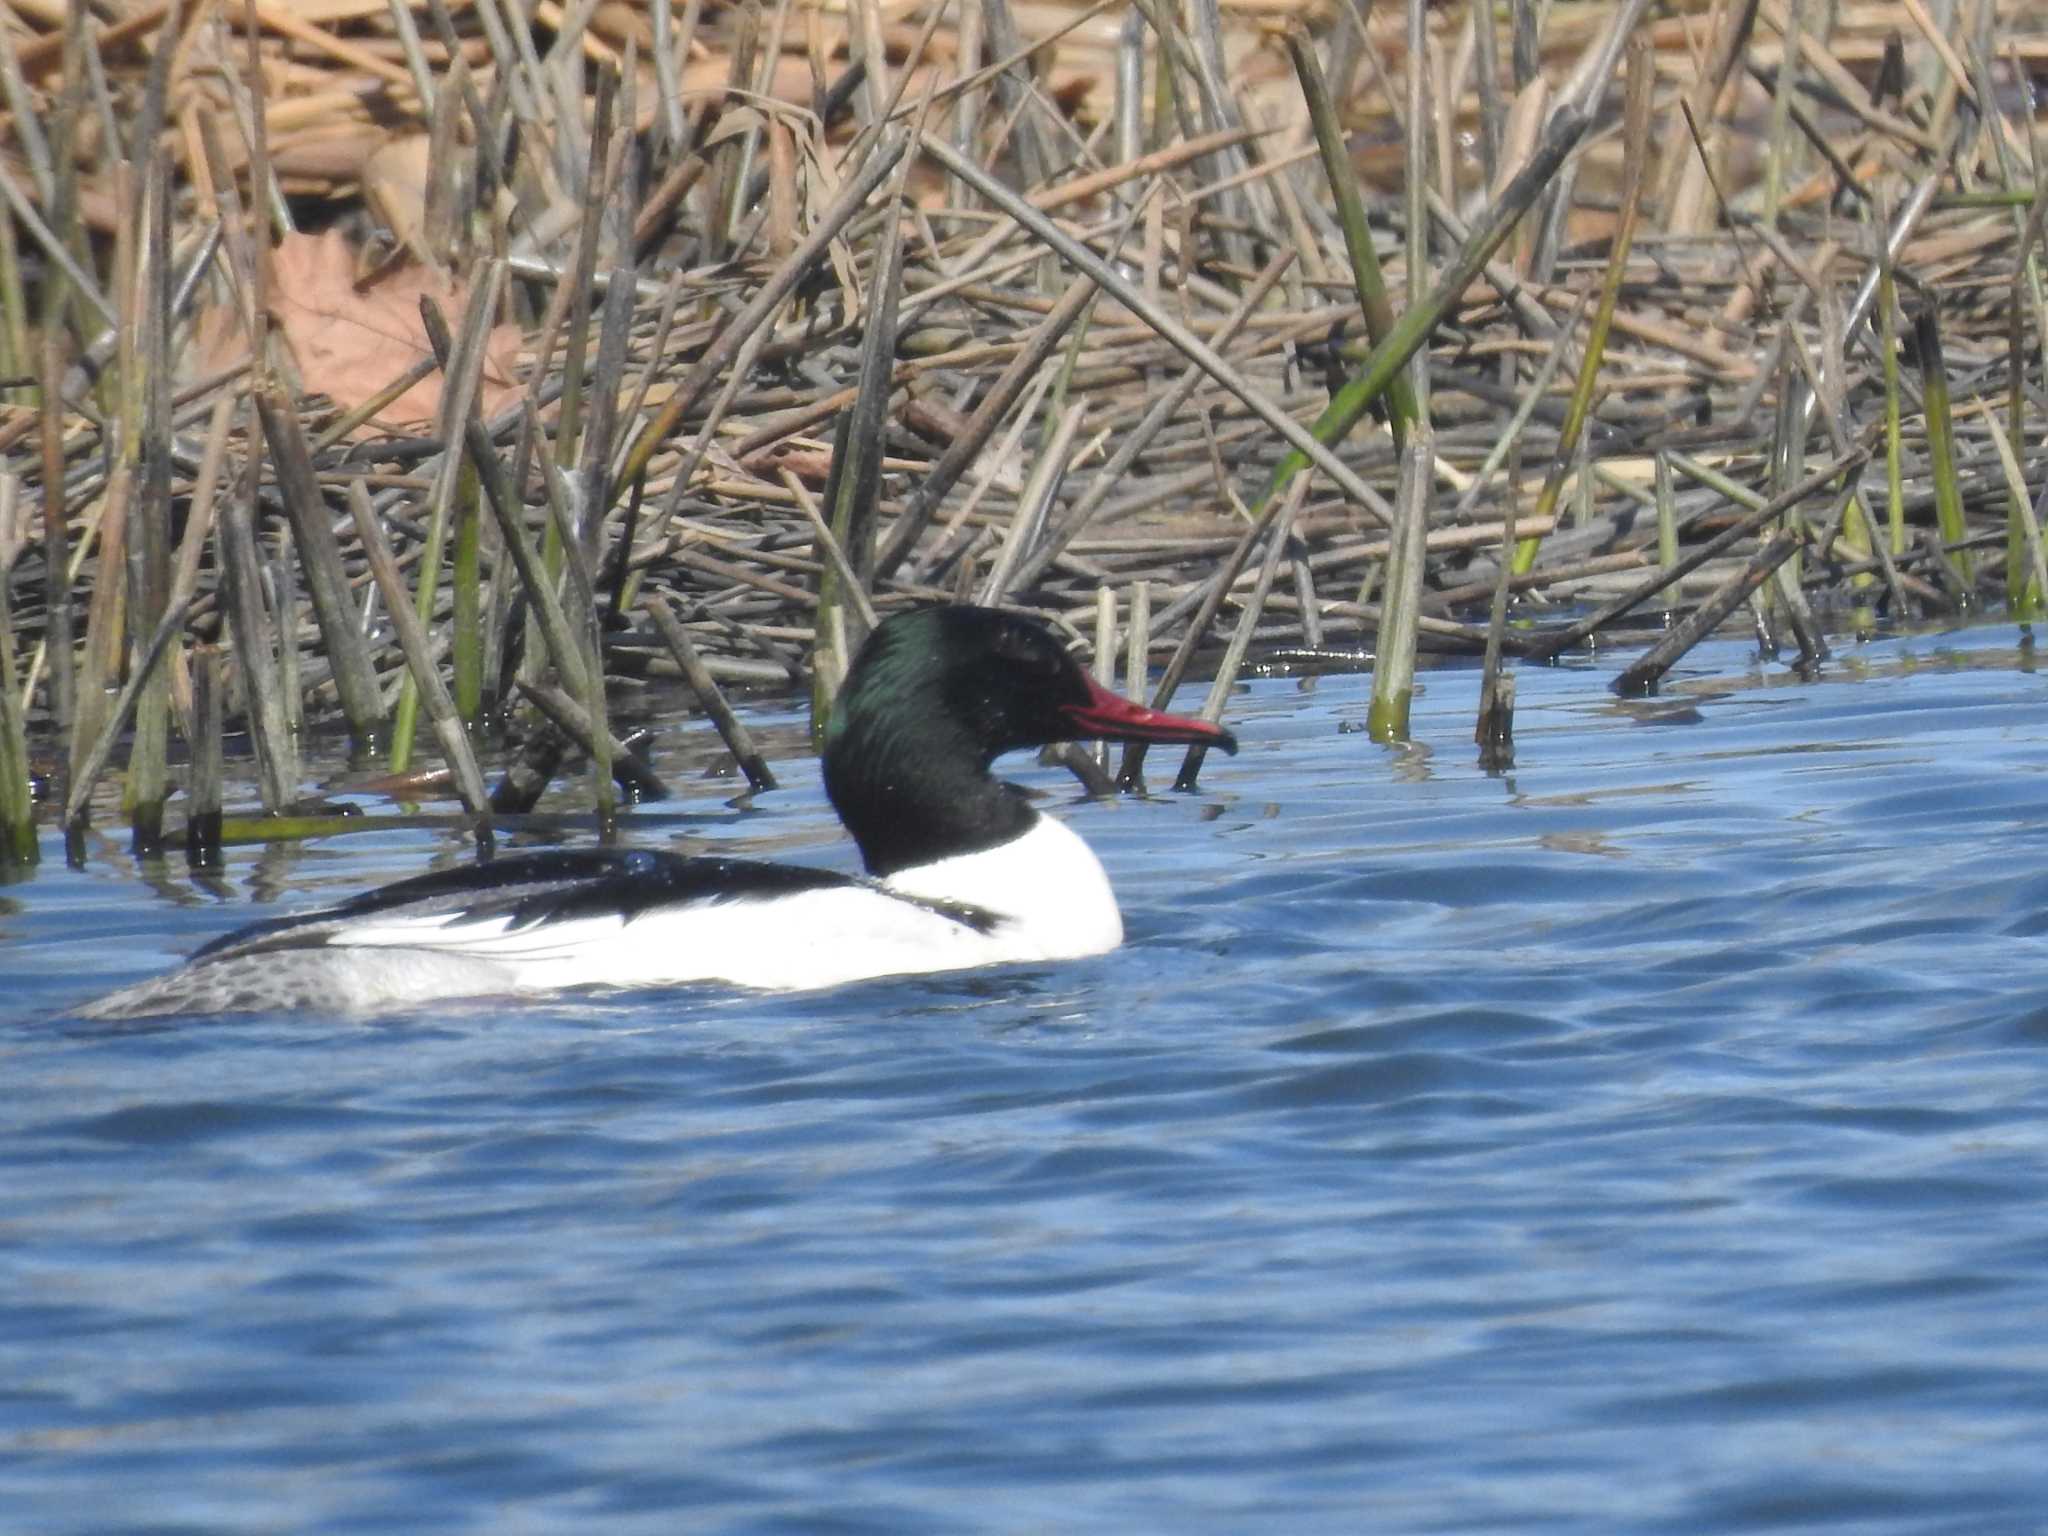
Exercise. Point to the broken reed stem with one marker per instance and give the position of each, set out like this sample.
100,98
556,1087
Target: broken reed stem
1102,664
467,658
1742,528
60,640
1667,512
1138,641
624,765
1642,677
1494,726
106,615
203,790
284,593
1495,733
738,740
2023,595
149,294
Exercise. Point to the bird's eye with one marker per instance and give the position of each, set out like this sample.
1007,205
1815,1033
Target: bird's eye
1029,650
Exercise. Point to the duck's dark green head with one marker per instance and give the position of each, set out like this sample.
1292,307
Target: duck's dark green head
934,696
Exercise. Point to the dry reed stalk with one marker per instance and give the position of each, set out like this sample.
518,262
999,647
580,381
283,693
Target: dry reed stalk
1635,138
622,762
203,788
1369,283
853,487
327,583
1247,625
835,555
105,617
1205,603
738,740
1184,341
147,375
879,162
59,641
1941,450
580,608
507,507
1665,576
453,480
1641,677
1102,665
412,640
254,649
974,435
1393,667
1138,641
1702,360
1028,519
573,298
18,847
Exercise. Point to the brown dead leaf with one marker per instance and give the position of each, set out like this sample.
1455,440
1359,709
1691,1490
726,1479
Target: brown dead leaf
810,464
351,343
395,186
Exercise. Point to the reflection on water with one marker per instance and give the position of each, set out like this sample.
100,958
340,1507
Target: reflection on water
1649,1137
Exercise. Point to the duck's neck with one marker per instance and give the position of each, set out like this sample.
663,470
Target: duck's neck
911,800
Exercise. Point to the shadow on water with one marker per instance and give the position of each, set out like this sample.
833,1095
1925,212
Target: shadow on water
1646,1138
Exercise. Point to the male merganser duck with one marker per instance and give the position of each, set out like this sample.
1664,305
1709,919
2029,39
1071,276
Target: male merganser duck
961,870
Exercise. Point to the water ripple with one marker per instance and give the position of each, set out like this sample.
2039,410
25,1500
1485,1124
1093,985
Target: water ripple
1648,1139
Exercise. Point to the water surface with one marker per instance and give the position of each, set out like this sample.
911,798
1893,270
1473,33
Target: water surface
1650,1138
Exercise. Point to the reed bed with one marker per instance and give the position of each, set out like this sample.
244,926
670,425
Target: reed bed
489,358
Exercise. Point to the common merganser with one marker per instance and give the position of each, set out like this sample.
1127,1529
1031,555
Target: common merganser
961,870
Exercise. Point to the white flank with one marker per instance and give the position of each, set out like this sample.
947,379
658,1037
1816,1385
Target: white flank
1046,887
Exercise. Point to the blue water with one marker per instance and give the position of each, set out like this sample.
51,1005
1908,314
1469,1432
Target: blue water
1652,1138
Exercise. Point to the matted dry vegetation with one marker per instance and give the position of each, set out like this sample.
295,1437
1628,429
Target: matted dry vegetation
745,337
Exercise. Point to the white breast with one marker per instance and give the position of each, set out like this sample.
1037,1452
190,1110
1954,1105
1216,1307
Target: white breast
1048,884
